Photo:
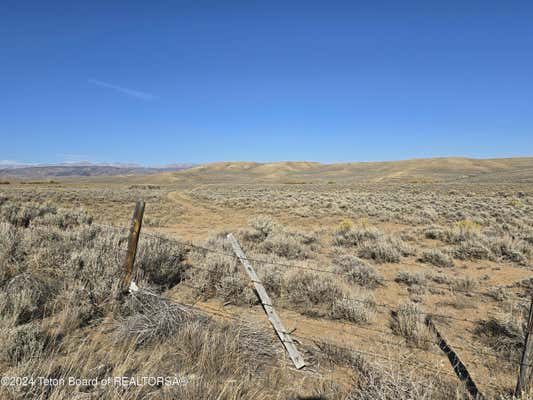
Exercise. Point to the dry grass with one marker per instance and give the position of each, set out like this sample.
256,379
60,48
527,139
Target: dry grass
408,321
440,243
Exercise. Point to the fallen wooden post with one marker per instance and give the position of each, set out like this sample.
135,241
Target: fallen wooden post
524,377
458,367
283,335
133,240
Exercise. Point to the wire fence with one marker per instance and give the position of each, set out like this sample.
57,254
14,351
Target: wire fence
320,342
386,339
313,269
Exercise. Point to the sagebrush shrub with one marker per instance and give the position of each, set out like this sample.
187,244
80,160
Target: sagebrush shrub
285,244
359,310
510,249
357,271
437,258
472,250
214,267
381,250
23,343
263,226
161,261
408,321
347,235
312,289
233,289
411,278
24,298
12,252
504,332
465,284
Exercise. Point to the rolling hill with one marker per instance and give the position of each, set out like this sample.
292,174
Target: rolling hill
429,170
420,170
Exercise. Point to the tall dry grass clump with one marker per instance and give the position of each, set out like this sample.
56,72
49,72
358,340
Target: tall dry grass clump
408,321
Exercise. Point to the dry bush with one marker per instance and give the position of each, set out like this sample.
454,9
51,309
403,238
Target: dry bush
360,310
348,235
207,355
504,332
385,381
161,261
473,244
499,293
461,231
11,252
411,278
408,321
76,307
70,270
272,280
23,343
43,215
310,289
381,251
437,258
19,215
151,318
465,284
234,290
221,276
510,249
434,232
262,228
472,250
285,244
440,278
318,295
267,237
357,271
24,298
61,218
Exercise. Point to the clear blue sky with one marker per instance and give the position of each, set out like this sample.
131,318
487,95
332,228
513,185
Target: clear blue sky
197,81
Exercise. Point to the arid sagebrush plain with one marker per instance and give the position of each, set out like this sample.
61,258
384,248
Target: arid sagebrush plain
354,257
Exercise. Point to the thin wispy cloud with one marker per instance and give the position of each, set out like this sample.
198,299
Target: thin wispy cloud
129,92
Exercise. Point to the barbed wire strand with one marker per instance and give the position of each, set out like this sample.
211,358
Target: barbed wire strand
427,366
471,347
290,265
387,306
380,305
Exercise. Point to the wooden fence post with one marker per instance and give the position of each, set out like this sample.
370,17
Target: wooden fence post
133,240
283,335
458,367
524,377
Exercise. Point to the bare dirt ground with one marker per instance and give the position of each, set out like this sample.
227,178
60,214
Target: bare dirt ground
482,229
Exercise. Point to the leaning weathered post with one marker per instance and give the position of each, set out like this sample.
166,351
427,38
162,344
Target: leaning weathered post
283,335
458,366
524,377
133,239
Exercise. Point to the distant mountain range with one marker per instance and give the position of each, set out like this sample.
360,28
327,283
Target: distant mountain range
451,169
42,171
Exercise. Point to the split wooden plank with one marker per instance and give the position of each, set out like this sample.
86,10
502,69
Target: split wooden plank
524,377
133,240
458,366
273,317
